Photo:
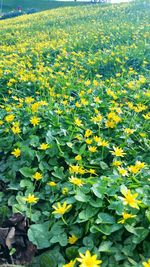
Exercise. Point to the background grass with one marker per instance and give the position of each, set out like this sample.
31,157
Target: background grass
9,5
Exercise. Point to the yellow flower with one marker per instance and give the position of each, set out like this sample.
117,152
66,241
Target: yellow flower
88,133
34,120
16,129
97,100
35,107
137,167
72,239
129,198
142,135
29,100
31,199
76,181
78,157
116,163
125,217
37,176
61,209
146,264
70,264
65,191
88,141
97,139
74,169
122,171
44,146
78,122
1,122
110,124
103,143
51,183
92,171
97,119
9,118
129,131
118,152
16,152
92,149
88,260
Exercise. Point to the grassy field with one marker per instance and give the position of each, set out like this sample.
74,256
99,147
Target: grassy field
40,5
74,136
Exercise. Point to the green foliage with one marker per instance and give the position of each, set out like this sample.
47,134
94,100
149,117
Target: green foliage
74,125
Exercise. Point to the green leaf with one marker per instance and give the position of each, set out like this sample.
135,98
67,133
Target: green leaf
105,246
58,172
72,252
105,218
27,172
103,165
88,242
48,260
26,183
147,213
38,234
60,238
81,197
49,137
87,213
99,190
82,149
34,140
105,228
141,233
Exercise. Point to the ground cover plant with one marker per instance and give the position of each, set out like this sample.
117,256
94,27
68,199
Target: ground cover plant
74,134
26,5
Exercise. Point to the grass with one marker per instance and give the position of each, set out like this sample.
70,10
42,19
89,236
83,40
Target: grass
9,5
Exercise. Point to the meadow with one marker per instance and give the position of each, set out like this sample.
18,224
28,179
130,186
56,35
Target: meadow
40,5
74,135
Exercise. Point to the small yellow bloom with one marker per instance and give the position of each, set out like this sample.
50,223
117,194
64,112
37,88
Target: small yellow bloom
103,143
51,183
76,181
65,191
137,167
61,209
129,131
78,122
88,141
122,171
92,149
37,176
16,152
70,264
116,163
9,118
125,217
97,139
44,146
72,239
88,260
88,133
31,199
16,129
78,157
129,198
146,264
92,171
110,124
34,121
118,152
